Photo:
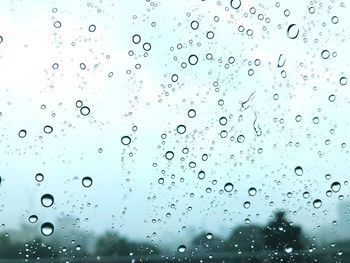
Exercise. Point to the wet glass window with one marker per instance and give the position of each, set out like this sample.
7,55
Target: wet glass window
174,131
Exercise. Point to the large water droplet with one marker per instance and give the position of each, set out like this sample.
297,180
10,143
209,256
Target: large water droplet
92,28
240,138
47,229
181,248
193,59
246,204
22,133
87,181
317,203
201,175
228,187
181,129
84,110
235,4
288,248
292,31
298,171
48,129
169,155
209,235
336,186
126,140
47,200
252,191
39,177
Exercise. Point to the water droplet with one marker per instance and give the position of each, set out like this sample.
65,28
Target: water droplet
252,191
174,78
223,121
306,194
136,39
298,171
84,110
181,248
191,113
169,155
126,140
331,98
47,229
33,219
335,20
205,157
288,248
193,59
48,129
315,120
246,204
210,34
47,200
194,25
209,236
343,81
161,180
335,186
201,175
82,66
39,177
235,4
298,118
78,103
22,133
147,46
92,28
228,187
325,54
181,129
292,31
57,24
87,181
317,203
240,138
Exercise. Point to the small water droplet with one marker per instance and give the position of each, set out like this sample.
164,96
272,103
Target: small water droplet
33,219
209,235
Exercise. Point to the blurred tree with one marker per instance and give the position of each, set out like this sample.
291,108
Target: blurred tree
111,244
207,243
280,235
